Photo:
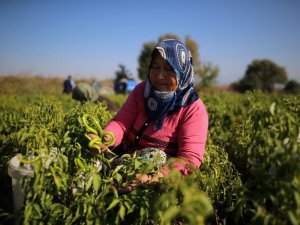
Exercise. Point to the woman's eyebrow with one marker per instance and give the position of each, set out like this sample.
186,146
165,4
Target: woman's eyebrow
155,63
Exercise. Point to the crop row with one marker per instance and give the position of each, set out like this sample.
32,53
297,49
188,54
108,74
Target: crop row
250,173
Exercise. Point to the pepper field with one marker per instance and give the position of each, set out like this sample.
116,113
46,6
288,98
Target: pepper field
250,173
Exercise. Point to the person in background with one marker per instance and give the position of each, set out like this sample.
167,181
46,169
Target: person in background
69,85
120,86
163,112
123,85
85,92
95,84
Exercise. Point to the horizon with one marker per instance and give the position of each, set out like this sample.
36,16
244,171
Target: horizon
90,39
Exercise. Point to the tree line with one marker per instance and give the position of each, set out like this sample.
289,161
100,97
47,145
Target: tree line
263,74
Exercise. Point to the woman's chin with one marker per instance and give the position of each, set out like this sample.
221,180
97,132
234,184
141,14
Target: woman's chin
161,88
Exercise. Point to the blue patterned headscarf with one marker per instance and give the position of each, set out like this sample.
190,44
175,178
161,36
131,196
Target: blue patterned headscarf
157,103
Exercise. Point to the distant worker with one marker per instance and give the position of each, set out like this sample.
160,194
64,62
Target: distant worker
96,84
85,92
69,85
123,86
120,86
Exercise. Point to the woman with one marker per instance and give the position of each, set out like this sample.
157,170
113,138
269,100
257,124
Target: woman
164,112
85,92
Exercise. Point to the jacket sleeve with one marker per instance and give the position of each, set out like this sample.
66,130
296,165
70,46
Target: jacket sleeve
125,117
192,135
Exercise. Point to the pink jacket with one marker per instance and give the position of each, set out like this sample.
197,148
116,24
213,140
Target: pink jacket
183,134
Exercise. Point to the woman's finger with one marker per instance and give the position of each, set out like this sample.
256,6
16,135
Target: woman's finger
92,136
109,138
125,190
106,137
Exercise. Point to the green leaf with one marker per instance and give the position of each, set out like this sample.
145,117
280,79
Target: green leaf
170,214
292,218
119,178
297,199
37,209
113,204
143,213
137,164
272,108
77,214
122,211
115,192
116,170
96,182
129,207
89,183
57,181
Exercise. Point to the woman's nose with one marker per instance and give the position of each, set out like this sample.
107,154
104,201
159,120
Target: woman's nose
161,74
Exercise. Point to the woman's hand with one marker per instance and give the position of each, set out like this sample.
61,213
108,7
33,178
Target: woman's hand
109,137
102,147
139,179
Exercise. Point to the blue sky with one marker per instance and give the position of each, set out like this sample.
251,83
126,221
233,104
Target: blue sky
91,38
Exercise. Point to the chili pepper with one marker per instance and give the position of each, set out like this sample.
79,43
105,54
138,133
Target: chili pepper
88,128
79,163
93,143
28,161
100,131
111,134
97,137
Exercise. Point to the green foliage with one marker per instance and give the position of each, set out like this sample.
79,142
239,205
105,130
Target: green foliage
70,185
218,177
194,48
145,60
30,85
208,75
262,75
122,73
250,173
292,87
180,200
261,137
118,99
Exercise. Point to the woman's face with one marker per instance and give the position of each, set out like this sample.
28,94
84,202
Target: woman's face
162,75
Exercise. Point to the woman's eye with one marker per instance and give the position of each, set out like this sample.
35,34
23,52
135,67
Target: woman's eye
154,67
169,69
